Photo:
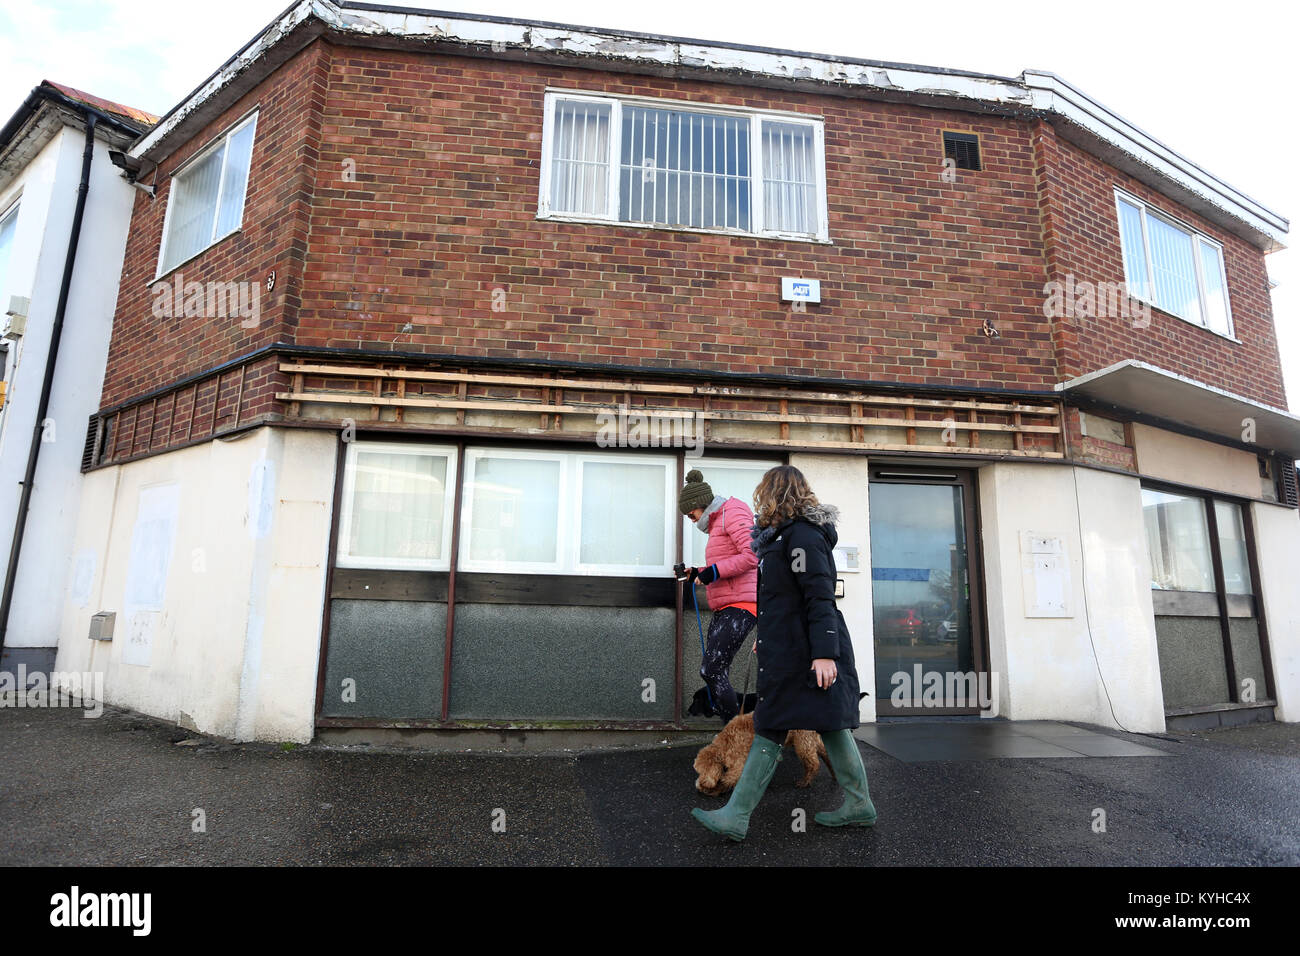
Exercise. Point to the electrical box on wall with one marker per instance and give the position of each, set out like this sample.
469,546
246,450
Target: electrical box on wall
1045,574
14,323
101,625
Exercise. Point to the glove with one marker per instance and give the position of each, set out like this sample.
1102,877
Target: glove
707,575
679,572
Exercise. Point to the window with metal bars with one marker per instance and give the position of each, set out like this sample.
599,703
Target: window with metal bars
656,163
963,149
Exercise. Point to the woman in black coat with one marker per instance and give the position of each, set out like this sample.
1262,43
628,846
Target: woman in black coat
806,676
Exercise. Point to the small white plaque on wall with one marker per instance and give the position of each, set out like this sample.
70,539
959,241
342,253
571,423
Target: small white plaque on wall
1045,574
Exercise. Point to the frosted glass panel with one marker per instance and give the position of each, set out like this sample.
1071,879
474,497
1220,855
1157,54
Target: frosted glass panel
623,514
1178,540
1216,293
398,506
1232,546
235,181
515,514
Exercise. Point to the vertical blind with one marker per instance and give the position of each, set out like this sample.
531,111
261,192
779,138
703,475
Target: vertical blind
1135,257
789,178
1175,269
580,157
8,225
208,198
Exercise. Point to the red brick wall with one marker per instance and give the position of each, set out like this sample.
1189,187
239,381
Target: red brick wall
148,352
440,216
1077,194
442,211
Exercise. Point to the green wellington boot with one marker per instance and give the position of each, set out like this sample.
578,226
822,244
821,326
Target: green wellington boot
857,810
732,821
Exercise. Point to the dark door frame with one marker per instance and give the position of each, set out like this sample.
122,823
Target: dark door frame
966,478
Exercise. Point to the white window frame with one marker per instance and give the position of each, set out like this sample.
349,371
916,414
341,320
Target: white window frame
1146,209
344,559
568,515
669,464
472,457
179,173
755,117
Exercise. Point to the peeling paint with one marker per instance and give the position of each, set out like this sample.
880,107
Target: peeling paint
1036,89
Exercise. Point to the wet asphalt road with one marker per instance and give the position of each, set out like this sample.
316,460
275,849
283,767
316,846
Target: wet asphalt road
122,789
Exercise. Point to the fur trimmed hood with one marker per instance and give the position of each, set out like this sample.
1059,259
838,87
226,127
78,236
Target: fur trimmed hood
824,516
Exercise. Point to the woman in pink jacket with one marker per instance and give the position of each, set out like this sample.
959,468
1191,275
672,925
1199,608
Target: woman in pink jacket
730,577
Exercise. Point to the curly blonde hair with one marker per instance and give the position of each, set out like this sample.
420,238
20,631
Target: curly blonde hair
782,493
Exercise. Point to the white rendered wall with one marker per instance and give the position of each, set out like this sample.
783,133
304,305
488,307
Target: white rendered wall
1047,667
235,640
47,194
1277,544
841,480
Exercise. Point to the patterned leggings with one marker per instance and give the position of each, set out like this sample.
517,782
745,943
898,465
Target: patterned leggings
726,633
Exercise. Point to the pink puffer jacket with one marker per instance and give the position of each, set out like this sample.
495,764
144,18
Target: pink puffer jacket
729,549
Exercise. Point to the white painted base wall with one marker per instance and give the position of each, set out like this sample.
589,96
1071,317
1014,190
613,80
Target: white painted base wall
218,585
1099,665
1277,544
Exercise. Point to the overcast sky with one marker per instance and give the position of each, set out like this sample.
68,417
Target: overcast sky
1220,90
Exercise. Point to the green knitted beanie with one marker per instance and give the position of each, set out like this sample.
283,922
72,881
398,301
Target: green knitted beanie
696,493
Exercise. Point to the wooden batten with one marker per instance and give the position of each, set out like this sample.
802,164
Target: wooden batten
403,390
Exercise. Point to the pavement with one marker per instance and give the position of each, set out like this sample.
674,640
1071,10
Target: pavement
124,789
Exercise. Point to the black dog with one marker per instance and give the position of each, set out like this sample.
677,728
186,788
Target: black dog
701,707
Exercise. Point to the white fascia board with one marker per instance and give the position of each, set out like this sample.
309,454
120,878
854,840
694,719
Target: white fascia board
1051,94
236,65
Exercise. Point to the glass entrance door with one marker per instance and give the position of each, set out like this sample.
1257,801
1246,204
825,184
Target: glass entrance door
929,653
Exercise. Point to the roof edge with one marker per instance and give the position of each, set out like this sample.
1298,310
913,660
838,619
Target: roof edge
1035,91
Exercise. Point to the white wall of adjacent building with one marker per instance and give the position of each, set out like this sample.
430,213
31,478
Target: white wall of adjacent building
46,195
214,560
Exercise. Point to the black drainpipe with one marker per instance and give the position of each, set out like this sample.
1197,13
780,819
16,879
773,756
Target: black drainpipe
47,386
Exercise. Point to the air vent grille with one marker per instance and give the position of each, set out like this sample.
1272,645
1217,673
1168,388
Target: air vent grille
963,149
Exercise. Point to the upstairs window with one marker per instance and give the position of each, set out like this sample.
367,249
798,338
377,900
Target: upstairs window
207,196
675,165
1172,266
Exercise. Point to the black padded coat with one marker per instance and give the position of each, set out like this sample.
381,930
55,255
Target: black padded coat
797,622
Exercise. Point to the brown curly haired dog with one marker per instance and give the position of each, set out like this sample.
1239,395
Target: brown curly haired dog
719,764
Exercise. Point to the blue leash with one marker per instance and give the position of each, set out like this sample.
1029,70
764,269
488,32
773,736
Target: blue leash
699,623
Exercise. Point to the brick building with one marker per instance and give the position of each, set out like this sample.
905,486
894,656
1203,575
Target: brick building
430,313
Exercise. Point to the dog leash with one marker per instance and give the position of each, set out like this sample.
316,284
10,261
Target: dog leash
699,624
